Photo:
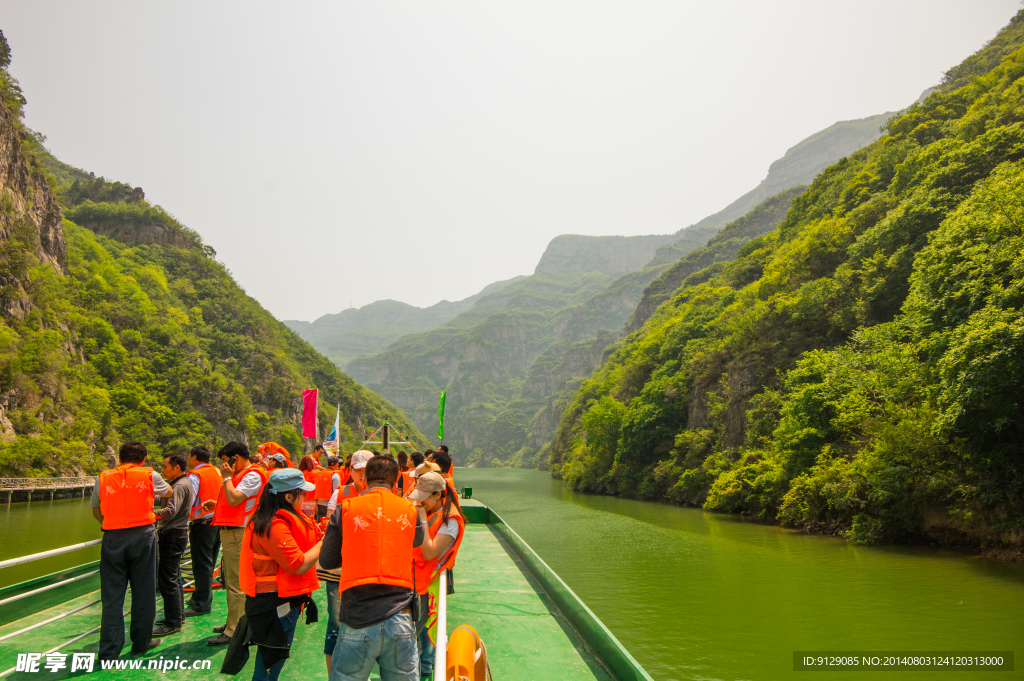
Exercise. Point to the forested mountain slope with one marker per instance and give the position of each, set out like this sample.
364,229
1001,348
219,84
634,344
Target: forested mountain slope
860,368
141,335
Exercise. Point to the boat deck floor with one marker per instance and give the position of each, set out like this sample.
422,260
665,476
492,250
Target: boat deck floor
525,634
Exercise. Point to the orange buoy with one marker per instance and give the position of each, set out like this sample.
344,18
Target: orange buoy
467,657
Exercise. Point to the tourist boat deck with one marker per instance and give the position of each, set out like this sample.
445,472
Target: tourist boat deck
533,626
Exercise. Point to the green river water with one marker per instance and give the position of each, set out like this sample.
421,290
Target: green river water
695,595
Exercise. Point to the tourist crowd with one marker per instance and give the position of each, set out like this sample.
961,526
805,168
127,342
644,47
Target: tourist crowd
376,530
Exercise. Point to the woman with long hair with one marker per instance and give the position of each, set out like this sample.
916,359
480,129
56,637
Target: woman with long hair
308,466
280,547
438,508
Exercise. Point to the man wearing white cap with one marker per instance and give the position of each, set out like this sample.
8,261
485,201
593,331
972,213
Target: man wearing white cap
358,474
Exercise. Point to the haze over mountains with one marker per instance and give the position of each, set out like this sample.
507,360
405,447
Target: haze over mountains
509,355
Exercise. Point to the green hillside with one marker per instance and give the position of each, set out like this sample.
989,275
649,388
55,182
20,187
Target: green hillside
858,369
370,329
140,337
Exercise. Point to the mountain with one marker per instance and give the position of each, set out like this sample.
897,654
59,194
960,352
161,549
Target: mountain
481,358
118,324
797,167
857,369
359,332
510,418
612,255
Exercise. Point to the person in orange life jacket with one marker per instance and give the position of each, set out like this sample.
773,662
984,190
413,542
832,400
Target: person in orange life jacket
243,482
357,475
308,465
326,481
275,461
409,474
422,469
330,577
444,462
172,539
371,538
403,466
280,546
438,509
122,501
203,537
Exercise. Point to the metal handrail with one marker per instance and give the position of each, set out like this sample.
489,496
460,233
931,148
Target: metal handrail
49,621
46,554
441,652
22,483
47,588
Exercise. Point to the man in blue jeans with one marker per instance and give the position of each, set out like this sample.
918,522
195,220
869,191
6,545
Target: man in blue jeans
371,538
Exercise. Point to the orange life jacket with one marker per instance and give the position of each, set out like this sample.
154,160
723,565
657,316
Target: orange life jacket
271,448
324,489
227,515
210,482
350,491
406,481
310,475
448,477
306,535
126,497
378,530
426,570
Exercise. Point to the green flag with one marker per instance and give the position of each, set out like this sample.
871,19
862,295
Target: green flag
440,415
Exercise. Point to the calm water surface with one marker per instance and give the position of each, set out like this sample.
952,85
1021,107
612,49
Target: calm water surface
695,595
41,526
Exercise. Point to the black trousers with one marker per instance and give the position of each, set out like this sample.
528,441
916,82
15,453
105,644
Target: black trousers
171,544
127,557
205,542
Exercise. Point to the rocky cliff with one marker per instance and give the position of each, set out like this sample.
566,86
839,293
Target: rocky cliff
30,217
613,255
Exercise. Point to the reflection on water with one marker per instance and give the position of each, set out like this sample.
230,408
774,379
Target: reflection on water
697,595
43,525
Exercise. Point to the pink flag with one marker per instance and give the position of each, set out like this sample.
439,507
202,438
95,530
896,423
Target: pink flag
310,427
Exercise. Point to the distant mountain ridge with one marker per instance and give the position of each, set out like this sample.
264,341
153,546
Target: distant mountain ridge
367,330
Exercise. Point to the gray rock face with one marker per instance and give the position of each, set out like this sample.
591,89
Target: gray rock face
26,196
26,202
612,255
803,161
151,234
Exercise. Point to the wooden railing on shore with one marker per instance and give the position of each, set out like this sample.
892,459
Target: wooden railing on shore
26,487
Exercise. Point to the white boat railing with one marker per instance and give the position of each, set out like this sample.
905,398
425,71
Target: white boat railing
46,554
441,659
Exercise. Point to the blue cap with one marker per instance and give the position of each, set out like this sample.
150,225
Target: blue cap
289,479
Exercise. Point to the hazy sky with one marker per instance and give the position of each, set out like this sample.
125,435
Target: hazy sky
343,151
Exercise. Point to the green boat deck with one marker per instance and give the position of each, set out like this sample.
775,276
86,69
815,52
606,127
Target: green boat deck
527,634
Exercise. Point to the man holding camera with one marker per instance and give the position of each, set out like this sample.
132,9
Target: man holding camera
243,482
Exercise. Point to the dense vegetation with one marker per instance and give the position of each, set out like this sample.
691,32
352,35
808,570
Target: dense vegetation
143,342
858,369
